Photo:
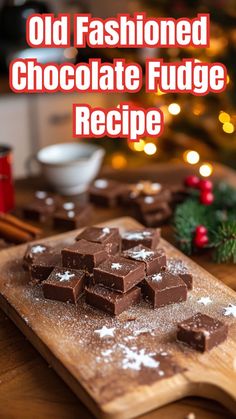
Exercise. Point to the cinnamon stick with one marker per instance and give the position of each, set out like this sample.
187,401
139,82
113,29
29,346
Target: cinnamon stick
16,222
13,234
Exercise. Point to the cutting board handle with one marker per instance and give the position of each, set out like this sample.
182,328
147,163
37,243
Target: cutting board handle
217,385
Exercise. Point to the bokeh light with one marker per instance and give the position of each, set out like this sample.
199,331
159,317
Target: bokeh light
191,157
228,128
118,161
150,149
139,146
174,109
206,169
224,117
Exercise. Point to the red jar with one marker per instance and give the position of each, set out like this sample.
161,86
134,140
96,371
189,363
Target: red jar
7,199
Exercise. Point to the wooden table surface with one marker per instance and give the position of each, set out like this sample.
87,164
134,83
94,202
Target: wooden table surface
29,388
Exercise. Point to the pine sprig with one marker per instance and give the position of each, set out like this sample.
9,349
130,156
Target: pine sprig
187,217
219,219
224,242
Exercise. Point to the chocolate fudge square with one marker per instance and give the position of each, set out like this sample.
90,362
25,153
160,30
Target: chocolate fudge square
42,267
33,251
119,274
163,289
110,301
64,285
109,237
177,267
148,237
153,260
202,332
71,216
42,206
84,255
151,203
157,218
104,192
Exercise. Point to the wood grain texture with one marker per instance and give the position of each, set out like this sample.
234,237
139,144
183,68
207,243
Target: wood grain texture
211,375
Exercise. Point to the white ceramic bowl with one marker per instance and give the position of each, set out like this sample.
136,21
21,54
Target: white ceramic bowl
70,167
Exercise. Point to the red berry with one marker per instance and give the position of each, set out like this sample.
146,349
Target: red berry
206,198
205,185
192,181
201,241
201,230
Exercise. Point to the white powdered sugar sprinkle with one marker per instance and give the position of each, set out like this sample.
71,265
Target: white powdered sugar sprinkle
105,332
230,310
157,277
205,301
149,200
68,206
176,267
49,201
101,183
71,214
141,254
136,235
116,266
135,360
106,230
65,276
38,249
41,194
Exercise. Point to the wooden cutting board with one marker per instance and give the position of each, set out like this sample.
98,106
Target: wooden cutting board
93,367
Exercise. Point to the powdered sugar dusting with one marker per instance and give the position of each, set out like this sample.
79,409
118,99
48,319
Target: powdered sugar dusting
144,333
136,235
135,360
157,277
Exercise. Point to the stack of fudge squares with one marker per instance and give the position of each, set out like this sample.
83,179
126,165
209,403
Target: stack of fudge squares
151,202
113,270
64,215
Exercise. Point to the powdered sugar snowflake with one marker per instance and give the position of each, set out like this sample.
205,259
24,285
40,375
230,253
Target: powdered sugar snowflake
116,266
157,277
230,310
136,235
65,276
141,254
106,230
105,331
205,301
136,360
38,249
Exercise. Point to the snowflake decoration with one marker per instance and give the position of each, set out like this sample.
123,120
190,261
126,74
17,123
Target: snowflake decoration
230,310
136,360
106,230
116,266
141,254
65,276
157,277
105,331
38,249
136,235
205,301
